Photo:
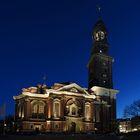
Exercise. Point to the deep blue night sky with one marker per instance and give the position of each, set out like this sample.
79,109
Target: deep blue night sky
53,37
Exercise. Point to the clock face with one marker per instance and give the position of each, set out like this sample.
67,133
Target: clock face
100,35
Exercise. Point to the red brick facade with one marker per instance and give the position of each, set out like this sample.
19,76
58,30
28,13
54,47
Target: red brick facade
69,108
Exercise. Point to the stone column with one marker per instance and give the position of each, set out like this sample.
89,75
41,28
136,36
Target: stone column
62,107
50,107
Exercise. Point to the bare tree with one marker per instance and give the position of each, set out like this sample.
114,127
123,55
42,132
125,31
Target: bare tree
132,110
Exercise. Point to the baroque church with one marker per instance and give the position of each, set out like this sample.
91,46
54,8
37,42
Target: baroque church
67,107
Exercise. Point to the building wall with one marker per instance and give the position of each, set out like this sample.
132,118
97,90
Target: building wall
65,121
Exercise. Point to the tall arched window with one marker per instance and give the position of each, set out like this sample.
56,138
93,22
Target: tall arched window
38,109
56,108
73,110
87,111
73,107
41,108
35,106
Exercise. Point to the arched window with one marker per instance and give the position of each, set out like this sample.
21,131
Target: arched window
34,110
56,108
41,108
73,107
73,110
38,109
87,111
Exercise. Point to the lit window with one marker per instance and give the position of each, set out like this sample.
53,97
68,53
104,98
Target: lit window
41,108
100,51
87,111
56,108
38,107
35,108
104,75
73,111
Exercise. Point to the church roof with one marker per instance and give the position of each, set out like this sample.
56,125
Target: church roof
72,90
73,87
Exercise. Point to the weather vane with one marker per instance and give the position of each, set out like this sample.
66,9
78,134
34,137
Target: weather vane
44,79
99,10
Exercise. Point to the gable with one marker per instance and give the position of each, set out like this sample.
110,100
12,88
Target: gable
74,88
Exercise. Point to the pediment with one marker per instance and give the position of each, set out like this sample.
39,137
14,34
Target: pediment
74,88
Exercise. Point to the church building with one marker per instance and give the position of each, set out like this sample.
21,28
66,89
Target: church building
67,107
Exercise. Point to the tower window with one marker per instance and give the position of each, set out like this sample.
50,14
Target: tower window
104,75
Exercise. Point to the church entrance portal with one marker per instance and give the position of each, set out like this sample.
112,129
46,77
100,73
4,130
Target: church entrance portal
73,127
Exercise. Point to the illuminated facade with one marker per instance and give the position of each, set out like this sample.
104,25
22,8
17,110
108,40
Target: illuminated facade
63,107
69,107
125,126
129,124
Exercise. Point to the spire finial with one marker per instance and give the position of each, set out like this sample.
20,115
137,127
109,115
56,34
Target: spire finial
44,79
99,8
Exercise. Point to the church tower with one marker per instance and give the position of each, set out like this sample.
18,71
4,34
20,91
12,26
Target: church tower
100,80
100,64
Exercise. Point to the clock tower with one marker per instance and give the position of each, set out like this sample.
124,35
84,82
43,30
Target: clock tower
100,64
100,80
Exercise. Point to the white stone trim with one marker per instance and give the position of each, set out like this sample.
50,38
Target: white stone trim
105,91
24,94
74,85
51,91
